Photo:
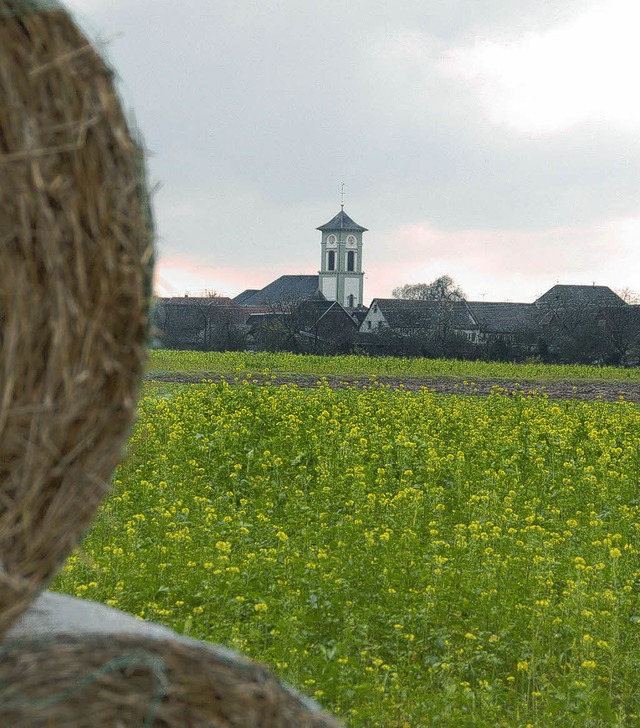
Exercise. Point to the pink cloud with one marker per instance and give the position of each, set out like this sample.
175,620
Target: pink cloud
504,264
180,274
496,265
555,250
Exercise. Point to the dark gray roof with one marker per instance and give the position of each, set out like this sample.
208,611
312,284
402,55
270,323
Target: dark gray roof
402,313
342,221
319,305
579,296
617,317
286,289
199,303
315,317
504,318
359,314
245,295
184,321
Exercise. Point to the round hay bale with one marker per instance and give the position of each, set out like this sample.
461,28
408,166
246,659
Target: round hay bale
75,259
75,255
73,662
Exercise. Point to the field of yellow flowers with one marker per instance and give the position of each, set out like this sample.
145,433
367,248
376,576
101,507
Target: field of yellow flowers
405,558
211,362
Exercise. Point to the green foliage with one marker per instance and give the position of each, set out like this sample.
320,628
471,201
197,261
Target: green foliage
243,363
407,559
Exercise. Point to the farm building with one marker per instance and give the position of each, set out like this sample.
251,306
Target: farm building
584,323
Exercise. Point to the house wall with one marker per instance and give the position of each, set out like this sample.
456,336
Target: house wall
374,319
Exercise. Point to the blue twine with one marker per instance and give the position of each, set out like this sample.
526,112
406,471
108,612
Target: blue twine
127,660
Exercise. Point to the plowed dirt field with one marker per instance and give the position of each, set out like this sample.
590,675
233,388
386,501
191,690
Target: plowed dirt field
585,390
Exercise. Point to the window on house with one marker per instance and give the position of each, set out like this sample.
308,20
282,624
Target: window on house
331,260
351,261
369,325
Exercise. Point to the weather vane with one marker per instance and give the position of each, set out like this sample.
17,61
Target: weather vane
342,195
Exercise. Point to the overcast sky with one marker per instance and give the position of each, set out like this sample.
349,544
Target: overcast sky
496,141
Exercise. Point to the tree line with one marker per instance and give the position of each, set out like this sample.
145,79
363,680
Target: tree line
563,332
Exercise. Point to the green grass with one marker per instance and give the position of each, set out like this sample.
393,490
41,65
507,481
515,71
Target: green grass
407,559
241,363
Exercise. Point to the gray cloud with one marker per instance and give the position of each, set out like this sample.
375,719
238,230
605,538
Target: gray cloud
255,112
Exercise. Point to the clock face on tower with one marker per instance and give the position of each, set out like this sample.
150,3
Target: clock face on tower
351,240
331,239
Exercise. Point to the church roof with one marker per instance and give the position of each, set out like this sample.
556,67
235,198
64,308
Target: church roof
286,289
245,295
342,221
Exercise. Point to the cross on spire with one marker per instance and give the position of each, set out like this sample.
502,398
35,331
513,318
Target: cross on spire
342,196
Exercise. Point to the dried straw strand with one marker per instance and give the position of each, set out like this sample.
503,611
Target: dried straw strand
74,287
75,256
132,681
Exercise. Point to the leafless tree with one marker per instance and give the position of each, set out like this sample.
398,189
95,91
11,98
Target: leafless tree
443,288
208,324
619,326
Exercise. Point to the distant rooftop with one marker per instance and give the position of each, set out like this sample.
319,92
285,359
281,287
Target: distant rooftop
504,317
245,295
399,312
187,300
580,296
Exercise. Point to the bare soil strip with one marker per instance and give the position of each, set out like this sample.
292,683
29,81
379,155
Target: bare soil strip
605,391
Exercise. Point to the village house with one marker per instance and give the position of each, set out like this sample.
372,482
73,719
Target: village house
325,313
568,321
313,325
202,323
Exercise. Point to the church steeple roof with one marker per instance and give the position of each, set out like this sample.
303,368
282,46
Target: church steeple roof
342,221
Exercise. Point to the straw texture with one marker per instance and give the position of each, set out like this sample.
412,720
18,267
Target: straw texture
73,662
75,253
22,7
133,682
75,259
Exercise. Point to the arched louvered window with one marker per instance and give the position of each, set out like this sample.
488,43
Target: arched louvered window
351,261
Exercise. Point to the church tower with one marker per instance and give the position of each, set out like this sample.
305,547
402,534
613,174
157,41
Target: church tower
340,276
